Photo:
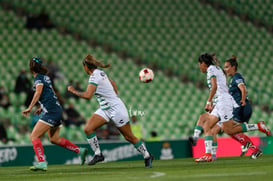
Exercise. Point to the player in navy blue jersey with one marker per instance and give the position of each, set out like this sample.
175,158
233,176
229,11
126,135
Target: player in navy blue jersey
51,115
241,114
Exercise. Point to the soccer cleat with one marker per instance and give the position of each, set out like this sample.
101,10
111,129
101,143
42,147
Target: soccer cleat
148,161
245,148
206,157
96,159
192,140
39,166
263,128
83,152
257,154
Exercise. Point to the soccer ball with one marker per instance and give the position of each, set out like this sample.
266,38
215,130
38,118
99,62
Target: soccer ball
146,75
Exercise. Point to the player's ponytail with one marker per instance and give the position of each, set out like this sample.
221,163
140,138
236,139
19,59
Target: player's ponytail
92,63
233,62
36,65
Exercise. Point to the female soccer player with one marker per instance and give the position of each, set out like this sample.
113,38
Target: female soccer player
111,109
51,115
241,114
237,88
222,111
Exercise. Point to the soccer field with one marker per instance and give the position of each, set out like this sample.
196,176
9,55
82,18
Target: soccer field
229,168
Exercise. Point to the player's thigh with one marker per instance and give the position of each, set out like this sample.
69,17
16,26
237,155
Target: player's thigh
127,133
202,119
53,134
94,122
39,129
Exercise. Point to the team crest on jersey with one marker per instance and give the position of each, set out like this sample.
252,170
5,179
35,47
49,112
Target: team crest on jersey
102,74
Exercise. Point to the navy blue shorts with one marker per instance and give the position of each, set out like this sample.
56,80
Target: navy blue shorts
243,113
53,119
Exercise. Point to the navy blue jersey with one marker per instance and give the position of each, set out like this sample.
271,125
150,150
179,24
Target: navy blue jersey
242,113
48,99
234,90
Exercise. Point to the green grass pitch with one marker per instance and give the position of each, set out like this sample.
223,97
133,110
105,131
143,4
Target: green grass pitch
228,168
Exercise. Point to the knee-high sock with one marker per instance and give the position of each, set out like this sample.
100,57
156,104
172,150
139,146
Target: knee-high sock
68,145
38,148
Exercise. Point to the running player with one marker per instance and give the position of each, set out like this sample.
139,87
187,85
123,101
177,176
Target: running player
241,114
222,111
111,109
51,114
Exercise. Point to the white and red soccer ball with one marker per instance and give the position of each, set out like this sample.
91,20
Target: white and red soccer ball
146,75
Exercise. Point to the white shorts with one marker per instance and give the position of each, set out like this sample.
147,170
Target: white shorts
223,109
117,113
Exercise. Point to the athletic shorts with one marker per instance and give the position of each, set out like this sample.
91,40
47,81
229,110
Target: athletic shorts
53,119
224,109
243,113
117,113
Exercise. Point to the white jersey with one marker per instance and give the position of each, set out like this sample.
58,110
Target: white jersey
222,88
105,93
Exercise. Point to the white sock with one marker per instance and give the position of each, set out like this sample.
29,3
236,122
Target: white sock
94,144
251,127
141,148
197,131
214,148
208,144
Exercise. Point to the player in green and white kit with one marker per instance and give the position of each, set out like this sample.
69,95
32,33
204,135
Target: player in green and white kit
111,109
222,109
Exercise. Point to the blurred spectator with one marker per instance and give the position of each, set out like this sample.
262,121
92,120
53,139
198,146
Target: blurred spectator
3,134
44,21
30,95
4,98
22,83
73,116
40,21
137,128
153,136
53,71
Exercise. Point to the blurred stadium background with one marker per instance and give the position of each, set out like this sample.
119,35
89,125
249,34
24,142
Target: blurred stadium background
165,35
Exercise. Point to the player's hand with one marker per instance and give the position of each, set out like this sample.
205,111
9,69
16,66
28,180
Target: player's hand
38,111
71,88
26,112
243,102
208,107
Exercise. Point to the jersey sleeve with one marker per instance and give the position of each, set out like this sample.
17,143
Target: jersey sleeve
239,79
211,72
94,79
38,81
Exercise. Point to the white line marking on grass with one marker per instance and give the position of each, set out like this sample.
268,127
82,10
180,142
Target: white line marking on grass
153,175
157,174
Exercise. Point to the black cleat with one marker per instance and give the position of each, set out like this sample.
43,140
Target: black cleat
255,155
96,159
192,140
148,161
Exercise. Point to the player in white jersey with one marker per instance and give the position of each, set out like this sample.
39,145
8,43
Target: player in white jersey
221,111
111,109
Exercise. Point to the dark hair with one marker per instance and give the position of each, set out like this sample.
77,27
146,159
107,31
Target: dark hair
209,59
233,62
36,65
92,63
